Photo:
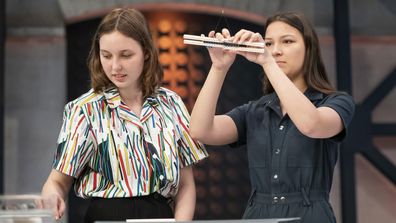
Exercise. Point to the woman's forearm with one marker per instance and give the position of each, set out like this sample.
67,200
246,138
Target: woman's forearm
185,198
302,112
204,109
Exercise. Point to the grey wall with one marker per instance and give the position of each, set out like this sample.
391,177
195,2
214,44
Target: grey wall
34,92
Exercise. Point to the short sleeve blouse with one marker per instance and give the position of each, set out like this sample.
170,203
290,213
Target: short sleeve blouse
113,153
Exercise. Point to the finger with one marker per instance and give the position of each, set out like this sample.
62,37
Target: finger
241,53
238,35
246,36
60,209
219,36
256,37
39,203
56,213
226,33
211,34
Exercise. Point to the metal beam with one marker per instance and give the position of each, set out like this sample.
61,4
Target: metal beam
342,45
388,129
344,83
2,71
381,163
379,93
361,129
348,184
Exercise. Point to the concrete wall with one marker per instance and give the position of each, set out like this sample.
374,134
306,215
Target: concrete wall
34,92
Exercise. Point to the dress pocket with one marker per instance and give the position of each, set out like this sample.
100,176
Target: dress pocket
257,153
302,150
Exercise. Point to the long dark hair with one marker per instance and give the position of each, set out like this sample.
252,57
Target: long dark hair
313,68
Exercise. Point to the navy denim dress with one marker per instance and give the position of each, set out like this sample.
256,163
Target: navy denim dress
291,174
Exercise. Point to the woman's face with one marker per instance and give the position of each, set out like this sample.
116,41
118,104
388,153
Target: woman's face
287,47
122,59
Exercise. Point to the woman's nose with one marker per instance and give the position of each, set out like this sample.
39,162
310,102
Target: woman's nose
276,50
116,65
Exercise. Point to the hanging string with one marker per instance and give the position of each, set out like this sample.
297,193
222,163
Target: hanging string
219,20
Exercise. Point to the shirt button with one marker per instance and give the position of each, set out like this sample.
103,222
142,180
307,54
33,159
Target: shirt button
281,127
282,199
276,176
161,177
277,151
275,199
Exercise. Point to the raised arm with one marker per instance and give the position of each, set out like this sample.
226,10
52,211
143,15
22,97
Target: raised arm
205,126
55,191
321,122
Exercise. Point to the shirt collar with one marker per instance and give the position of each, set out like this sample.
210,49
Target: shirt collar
313,94
271,100
112,97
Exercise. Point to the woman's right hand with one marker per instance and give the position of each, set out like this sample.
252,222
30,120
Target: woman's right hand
52,202
59,206
55,191
248,36
222,59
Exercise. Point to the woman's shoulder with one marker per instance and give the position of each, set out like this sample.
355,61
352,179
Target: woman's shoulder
338,95
87,98
162,91
263,100
256,104
167,95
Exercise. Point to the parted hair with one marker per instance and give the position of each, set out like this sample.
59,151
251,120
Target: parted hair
130,23
313,68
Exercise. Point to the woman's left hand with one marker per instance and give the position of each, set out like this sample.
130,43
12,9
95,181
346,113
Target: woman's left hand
244,35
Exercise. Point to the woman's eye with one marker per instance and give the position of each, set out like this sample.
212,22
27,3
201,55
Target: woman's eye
267,44
106,56
288,41
126,55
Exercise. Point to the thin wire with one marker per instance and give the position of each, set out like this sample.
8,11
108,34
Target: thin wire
225,19
218,21
228,25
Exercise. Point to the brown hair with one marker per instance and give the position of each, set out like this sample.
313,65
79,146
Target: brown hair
130,23
313,68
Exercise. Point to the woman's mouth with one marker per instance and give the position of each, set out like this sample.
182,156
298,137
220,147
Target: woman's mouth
119,77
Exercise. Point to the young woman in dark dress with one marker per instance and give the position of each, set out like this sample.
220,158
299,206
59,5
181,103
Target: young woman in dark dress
292,133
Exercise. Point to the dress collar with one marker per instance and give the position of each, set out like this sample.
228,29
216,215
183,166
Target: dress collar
114,101
112,97
272,98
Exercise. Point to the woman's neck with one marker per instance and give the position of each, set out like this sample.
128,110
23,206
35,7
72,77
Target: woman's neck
300,84
133,99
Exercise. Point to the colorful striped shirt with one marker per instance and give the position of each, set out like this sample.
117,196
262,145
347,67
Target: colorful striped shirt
113,153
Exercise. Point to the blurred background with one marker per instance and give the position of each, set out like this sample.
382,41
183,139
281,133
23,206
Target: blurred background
43,49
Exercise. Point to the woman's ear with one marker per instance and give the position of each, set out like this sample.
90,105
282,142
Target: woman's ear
146,56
